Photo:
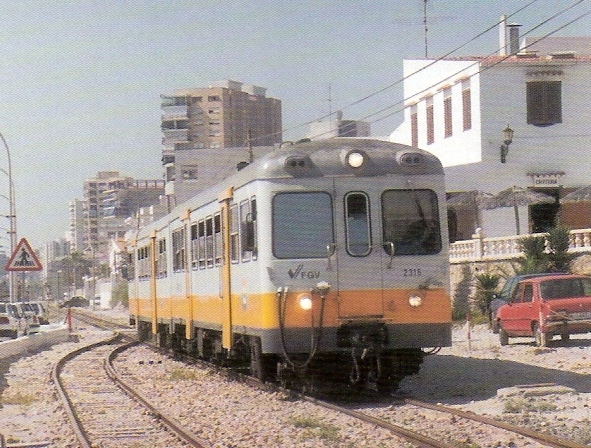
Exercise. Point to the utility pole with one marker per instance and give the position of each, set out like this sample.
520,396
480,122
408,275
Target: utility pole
425,24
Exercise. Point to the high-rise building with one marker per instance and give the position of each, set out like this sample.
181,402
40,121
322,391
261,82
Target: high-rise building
110,199
321,130
206,120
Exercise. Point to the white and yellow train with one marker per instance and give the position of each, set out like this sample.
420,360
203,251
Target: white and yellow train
324,260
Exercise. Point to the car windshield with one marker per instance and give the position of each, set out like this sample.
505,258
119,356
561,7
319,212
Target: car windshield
564,288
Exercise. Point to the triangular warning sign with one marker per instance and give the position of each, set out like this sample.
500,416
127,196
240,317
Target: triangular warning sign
23,258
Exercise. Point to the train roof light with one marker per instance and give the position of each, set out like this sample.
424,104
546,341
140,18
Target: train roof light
355,159
411,159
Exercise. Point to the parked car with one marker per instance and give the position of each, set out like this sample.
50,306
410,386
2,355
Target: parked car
506,293
30,314
545,306
41,312
12,323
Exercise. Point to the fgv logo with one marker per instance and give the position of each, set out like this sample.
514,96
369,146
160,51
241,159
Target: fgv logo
300,273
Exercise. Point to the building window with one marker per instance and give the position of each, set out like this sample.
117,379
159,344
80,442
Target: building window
189,172
414,126
213,98
447,113
544,103
467,106
430,122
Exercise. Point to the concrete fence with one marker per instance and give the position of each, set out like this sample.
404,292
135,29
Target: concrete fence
480,249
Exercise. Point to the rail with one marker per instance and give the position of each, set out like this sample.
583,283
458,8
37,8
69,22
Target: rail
480,248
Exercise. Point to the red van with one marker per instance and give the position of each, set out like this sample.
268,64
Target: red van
555,304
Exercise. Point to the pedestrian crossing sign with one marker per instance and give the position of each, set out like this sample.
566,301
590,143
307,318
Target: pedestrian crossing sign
23,258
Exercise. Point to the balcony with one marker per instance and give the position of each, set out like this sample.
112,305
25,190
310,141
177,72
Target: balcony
175,112
175,136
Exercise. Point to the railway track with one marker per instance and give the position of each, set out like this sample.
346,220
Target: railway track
467,427
107,412
472,425
545,439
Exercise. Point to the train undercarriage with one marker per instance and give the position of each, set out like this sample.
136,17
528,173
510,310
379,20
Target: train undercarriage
362,364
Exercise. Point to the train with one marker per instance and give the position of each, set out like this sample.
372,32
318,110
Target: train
322,262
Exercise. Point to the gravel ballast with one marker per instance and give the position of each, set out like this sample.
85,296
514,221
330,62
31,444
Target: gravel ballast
476,374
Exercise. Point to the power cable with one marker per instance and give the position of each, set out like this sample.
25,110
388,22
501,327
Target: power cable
401,80
482,69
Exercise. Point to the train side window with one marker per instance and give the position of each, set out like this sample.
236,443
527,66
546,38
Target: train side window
234,234
178,250
357,224
202,255
161,267
194,246
303,225
248,229
131,268
209,241
217,236
143,263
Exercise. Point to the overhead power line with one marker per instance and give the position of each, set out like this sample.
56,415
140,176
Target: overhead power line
401,80
476,63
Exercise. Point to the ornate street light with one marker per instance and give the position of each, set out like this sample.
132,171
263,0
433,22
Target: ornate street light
507,140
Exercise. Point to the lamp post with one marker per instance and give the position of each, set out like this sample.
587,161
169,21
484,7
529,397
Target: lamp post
12,217
507,140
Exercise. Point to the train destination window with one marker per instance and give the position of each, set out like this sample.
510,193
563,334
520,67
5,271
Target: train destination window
302,224
411,222
357,224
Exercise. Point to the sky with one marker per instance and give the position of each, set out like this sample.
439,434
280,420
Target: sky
80,80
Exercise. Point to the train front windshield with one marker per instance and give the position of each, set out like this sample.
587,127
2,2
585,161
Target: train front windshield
303,223
411,222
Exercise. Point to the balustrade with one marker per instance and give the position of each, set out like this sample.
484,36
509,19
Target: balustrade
479,248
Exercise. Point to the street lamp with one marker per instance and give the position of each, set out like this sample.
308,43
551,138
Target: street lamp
507,140
11,216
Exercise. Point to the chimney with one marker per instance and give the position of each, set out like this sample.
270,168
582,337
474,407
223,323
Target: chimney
513,38
503,36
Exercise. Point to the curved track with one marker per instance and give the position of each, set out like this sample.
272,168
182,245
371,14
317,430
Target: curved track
101,413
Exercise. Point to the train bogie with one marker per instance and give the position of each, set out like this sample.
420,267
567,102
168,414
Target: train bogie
316,257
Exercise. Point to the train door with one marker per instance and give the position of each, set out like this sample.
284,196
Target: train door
358,271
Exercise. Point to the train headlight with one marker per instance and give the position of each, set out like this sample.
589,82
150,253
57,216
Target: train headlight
305,302
415,301
355,159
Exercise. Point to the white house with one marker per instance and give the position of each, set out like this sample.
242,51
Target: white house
458,109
